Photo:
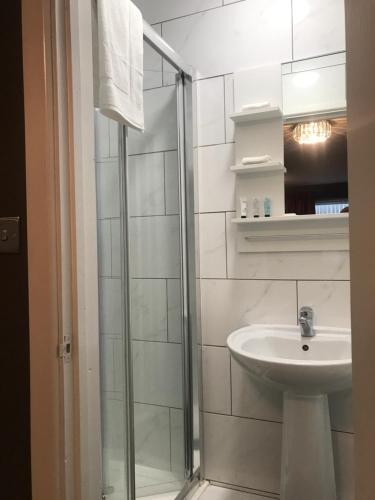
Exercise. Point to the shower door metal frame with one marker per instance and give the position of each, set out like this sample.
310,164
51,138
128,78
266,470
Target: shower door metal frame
187,249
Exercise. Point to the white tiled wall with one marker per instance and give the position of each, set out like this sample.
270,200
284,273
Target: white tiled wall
243,418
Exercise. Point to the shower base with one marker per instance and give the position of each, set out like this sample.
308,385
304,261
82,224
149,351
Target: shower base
151,483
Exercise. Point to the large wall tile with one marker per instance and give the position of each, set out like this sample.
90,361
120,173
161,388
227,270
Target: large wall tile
160,134
341,408
254,399
243,452
107,364
171,183
155,247
238,36
152,65
113,430
330,301
101,136
287,265
216,181
169,74
116,244
148,309
231,304
343,449
146,184
157,373
311,91
108,189
318,27
113,139
169,9
177,442
119,365
174,310
104,248
216,380
152,436
114,444
211,119
110,304
212,246
229,107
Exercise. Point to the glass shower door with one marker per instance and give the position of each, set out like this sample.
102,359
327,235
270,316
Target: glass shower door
116,473
146,298
156,288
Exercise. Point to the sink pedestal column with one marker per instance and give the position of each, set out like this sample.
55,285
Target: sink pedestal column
307,470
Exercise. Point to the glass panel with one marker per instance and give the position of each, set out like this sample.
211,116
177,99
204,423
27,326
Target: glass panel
111,310
155,319
155,291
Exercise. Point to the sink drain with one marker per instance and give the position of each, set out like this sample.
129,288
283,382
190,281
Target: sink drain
305,347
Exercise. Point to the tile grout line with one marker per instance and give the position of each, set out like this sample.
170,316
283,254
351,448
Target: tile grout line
158,405
111,245
165,184
225,111
279,422
170,438
297,301
195,13
231,384
168,342
226,244
166,287
292,28
244,489
285,280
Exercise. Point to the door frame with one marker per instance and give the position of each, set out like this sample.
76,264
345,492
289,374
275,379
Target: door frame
360,15
43,250
61,211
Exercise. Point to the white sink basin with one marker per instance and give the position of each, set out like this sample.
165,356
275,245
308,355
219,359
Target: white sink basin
306,370
278,354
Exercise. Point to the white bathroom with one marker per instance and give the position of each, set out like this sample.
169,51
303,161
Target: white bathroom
209,216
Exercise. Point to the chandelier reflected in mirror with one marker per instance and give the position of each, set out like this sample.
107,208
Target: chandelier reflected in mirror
312,132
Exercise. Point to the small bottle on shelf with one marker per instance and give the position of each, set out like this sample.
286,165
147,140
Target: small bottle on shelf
243,207
256,208
267,207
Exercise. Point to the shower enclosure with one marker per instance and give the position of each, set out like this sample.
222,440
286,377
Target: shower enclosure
149,327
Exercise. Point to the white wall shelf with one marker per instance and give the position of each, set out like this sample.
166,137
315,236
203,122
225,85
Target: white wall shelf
292,219
291,233
258,168
257,115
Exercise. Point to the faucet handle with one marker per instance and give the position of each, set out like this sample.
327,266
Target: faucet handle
306,312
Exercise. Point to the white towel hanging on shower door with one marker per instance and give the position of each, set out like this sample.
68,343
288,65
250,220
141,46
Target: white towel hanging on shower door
118,62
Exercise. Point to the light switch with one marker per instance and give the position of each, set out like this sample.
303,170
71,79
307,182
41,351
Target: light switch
9,234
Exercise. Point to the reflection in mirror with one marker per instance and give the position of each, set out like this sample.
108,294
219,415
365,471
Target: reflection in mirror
316,181
315,136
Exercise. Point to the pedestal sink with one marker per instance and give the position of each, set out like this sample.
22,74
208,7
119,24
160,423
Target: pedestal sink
306,370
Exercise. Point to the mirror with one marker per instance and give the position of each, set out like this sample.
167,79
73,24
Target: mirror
315,135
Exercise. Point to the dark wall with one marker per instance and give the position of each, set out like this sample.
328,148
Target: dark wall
14,347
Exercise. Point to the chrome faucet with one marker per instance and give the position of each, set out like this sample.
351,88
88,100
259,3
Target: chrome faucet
306,321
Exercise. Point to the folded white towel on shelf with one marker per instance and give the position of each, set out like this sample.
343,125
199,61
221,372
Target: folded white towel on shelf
249,160
256,105
118,62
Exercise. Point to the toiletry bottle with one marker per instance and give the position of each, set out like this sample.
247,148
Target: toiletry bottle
267,207
256,208
243,207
